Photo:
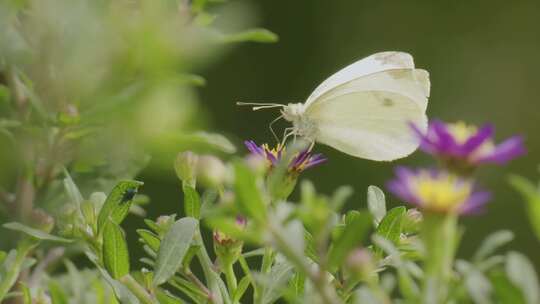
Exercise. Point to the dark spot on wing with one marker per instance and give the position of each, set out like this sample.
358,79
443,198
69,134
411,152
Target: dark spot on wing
387,102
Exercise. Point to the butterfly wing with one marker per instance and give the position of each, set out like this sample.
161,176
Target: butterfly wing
375,63
369,116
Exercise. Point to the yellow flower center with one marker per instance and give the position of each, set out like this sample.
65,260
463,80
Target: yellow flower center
461,131
442,193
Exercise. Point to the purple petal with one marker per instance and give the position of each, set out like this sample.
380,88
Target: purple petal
485,133
505,151
402,191
426,144
254,148
445,141
475,203
316,160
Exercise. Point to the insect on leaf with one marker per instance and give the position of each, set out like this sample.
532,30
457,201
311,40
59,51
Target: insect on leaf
117,204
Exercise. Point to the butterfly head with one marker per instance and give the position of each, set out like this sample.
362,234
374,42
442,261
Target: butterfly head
293,111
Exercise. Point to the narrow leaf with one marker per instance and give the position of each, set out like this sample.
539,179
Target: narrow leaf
376,204
115,251
192,202
149,239
254,35
492,243
521,273
532,198
38,234
173,248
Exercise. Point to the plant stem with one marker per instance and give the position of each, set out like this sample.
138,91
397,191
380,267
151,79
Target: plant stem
206,265
13,273
231,278
439,233
138,290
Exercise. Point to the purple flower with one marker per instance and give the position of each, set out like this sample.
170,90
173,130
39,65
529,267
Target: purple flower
437,191
468,146
300,162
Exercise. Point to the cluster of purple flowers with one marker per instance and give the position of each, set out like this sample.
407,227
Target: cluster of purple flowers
461,149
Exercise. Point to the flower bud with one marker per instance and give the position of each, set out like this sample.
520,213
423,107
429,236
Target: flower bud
360,263
164,222
186,167
41,220
211,171
227,248
411,221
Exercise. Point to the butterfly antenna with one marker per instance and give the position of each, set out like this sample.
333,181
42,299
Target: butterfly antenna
262,105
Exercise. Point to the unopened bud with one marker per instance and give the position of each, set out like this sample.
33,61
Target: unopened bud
41,220
211,171
186,167
164,222
69,115
360,263
412,220
228,249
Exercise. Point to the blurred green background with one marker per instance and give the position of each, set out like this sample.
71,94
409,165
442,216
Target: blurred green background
483,57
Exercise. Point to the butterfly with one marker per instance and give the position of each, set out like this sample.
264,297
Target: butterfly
365,109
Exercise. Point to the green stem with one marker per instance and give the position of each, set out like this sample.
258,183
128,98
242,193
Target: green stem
231,278
439,233
209,273
13,273
138,290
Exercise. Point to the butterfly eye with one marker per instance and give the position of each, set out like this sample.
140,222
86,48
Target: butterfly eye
128,195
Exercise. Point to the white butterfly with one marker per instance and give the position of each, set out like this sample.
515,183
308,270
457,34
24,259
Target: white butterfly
365,109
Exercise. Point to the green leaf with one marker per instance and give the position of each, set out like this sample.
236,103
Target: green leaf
532,199
241,289
173,248
149,239
521,273
492,243
406,284
376,204
353,234
122,293
192,202
38,234
203,141
478,286
72,190
248,194
56,293
274,281
504,291
390,226
164,297
253,35
26,295
117,204
115,251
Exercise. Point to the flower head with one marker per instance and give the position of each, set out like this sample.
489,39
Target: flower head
300,162
437,191
466,145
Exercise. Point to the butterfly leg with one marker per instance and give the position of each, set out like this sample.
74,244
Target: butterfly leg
286,133
272,129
